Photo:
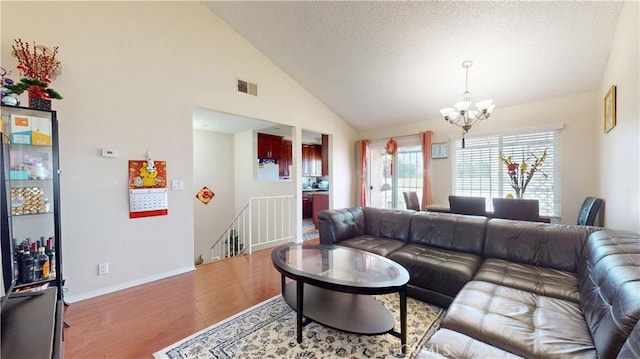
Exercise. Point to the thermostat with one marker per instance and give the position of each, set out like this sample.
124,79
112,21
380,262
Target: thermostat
109,153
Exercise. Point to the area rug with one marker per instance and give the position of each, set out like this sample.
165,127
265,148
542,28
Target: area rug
268,330
314,233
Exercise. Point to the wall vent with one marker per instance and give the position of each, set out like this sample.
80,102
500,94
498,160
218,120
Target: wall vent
247,87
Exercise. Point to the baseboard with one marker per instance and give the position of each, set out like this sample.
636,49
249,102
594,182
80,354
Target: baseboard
98,292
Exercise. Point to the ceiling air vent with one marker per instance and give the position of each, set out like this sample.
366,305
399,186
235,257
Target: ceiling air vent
247,87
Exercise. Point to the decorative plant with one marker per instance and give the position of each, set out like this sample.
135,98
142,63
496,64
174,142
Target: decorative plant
200,260
39,67
520,174
235,246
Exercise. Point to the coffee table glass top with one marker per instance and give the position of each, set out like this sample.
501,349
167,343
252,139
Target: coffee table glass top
340,265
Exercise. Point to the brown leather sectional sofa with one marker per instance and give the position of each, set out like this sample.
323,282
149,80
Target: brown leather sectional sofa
512,289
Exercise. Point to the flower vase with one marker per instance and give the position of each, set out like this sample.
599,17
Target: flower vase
40,103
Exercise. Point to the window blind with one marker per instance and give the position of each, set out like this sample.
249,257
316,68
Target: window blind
479,172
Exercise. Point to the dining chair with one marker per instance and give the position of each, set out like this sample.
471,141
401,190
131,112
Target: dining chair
516,209
411,200
591,212
474,206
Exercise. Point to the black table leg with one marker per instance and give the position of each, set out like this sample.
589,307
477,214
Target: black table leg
299,301
403,319
282,281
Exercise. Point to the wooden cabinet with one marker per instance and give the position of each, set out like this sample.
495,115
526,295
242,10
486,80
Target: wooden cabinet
324,155
311,160
320,202
286,161
307,155
307,204
269,146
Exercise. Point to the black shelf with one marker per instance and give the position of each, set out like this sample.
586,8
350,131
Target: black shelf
35,225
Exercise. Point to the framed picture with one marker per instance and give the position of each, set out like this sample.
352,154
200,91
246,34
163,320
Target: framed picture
610,109
440,150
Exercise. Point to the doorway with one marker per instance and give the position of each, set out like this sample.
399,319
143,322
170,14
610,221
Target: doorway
387,184
315,179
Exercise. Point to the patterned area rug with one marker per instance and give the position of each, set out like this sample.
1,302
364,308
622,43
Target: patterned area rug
268,330
310,234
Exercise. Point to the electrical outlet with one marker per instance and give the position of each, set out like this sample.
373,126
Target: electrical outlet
103,268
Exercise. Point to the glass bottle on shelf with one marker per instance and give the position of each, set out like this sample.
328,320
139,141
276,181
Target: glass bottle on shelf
26,275
51,252
43,263
37,266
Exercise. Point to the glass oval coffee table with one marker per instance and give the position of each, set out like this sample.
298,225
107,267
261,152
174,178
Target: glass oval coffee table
333,285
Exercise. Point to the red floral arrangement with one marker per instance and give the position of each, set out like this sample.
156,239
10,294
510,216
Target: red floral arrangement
520,174
39,66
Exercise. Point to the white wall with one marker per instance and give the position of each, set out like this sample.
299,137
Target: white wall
619,153
579,152
132,73
213,159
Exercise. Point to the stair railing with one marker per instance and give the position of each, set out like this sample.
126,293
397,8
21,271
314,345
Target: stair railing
263,222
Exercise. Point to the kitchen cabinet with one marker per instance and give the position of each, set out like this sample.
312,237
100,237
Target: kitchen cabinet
320,202
269,146
307,206
286,161
311,160
324,155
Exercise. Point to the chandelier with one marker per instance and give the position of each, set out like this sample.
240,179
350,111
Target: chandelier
460,114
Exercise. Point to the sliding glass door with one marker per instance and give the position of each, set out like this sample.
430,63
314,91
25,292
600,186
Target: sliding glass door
390,176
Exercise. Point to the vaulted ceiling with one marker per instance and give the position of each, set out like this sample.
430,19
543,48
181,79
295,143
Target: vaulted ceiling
382,63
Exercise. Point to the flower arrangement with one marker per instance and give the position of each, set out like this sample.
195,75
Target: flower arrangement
520,174
39,66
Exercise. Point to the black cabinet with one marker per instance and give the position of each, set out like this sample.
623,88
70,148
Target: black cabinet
32,186
32,326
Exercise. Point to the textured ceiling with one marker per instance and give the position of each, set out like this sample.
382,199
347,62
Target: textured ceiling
382,63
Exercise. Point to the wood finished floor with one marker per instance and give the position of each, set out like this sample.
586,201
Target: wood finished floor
137,322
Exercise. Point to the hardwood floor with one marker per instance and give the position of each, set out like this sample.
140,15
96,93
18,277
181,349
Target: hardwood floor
136,322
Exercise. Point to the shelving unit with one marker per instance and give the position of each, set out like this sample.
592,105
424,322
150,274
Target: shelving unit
30,162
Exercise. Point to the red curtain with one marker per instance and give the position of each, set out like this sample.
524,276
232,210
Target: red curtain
425,141
362,152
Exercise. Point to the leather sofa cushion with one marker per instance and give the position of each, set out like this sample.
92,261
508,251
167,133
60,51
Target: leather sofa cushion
631,347
377,245
449,231
437,269
447,343
609,277
520,322
539,280
387,223
339,224
540,244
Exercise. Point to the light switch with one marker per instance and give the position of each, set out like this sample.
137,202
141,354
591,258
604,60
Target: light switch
177,185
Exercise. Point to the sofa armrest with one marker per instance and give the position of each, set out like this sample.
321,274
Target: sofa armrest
336,225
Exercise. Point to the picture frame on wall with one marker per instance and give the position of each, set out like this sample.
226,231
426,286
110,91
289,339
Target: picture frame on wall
610,109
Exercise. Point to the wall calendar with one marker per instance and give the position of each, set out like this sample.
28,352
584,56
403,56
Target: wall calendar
147,188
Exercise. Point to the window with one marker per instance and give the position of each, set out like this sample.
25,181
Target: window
478,170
